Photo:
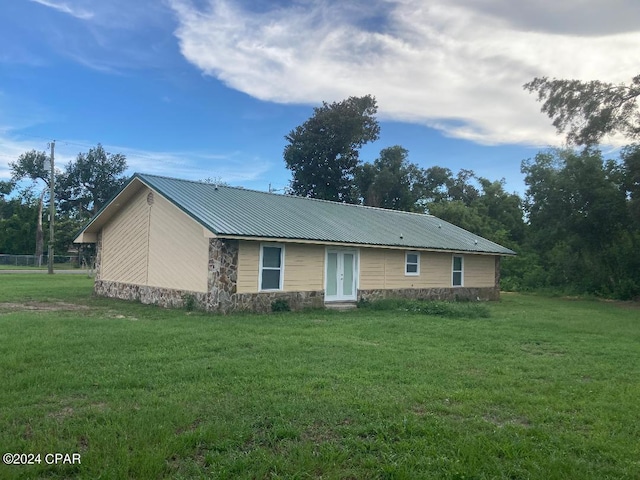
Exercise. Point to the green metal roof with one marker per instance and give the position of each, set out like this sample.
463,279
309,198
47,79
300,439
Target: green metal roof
237,212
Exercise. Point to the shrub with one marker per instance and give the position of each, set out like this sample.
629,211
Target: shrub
189,302
280,305
438,308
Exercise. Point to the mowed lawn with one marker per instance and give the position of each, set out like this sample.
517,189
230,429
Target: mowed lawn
545,388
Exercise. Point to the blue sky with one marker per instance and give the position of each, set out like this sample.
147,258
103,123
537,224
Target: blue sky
209,88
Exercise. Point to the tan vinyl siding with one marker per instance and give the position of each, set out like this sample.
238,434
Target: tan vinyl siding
124,243
178,250
479,270
156,245
384,269
303,267
436,268
372,269
248,268
379,269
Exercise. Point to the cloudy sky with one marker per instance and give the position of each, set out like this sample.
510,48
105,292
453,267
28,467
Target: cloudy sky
208,88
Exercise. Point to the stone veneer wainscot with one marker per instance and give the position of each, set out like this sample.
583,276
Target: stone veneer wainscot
222,295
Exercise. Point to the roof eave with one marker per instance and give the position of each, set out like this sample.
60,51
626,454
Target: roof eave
253,238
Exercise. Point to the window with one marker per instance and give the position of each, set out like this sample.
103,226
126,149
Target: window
271,267
412,263
457,271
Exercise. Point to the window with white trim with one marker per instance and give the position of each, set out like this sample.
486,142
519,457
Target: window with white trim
457,271
412,263
271,266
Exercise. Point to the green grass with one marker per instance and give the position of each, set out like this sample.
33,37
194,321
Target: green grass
545,388
56,266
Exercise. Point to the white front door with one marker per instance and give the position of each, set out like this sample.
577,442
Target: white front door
341,275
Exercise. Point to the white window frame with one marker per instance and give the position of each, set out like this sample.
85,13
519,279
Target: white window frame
261,267
406,264
453,272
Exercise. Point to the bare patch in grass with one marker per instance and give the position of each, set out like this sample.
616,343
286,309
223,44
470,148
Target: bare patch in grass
65,412
42,307
318,434
189,428
119,316
501,422
419,410
28,432
542,348
83,443
98,406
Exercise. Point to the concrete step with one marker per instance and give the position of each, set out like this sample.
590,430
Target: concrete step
341,305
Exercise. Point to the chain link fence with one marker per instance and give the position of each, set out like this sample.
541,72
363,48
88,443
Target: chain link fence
59,261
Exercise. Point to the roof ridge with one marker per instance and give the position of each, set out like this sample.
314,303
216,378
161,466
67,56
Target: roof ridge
235,212
200,182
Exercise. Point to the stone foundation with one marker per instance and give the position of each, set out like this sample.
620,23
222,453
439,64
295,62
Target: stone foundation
261,302
450,294
239,302
164,297
222,296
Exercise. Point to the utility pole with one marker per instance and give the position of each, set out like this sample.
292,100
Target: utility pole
52,208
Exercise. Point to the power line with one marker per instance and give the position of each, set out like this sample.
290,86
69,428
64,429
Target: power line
83,145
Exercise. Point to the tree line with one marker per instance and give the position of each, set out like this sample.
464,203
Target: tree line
576,229
82,187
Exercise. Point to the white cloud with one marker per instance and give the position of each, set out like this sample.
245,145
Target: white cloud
66,8
234,168
456,66
577,17
112,37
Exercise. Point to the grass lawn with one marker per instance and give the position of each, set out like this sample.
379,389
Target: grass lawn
56,266
545,388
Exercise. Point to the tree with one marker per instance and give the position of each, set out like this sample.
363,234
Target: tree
438,180
490,211
33,165
575,194
456,212
18,218
323,152
82,188
440,185
504,213
580,224
5,189
588,111
391,181
90,181
631,158
461,188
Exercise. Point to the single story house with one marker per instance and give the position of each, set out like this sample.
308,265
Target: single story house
160,240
